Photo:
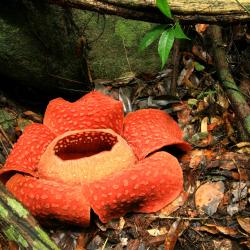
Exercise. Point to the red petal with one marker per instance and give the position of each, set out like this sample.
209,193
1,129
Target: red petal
27,151
94,110
150,185
50,199
148,130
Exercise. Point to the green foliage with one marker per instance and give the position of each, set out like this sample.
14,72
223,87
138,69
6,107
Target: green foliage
151,36
178,32
167,34
165,44
163,6
198,66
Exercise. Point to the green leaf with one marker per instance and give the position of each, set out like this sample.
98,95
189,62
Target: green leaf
165,44
164,7
178,32
151,36
198,66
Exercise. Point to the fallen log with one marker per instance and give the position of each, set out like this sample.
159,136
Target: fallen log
19,225
214,11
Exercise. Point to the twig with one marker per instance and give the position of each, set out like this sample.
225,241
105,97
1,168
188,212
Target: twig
104,245
176,60
65,79
126,54
179,217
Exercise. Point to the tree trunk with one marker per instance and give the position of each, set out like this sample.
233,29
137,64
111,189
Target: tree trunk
213,11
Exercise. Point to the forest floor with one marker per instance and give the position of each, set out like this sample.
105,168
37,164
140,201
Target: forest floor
213,211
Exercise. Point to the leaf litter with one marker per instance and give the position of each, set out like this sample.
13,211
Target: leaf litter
213,211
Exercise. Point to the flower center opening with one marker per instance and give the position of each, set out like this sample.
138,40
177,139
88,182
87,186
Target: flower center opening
84,144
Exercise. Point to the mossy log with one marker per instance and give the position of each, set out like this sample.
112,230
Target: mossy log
19,226
194,11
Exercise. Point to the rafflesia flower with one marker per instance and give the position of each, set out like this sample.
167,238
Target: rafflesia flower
86,155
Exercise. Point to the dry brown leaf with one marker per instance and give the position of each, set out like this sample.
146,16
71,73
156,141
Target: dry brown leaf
174,232
242,144
122,222
212,126
201,27
210,230
223,101
196,156
225,230
80,244
246,243
157,231
244,223
215,229
208,197
173,206
184,113
224,244
187,71
202,54
204,123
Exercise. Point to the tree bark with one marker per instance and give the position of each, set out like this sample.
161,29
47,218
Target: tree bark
237,99
194,11
19,225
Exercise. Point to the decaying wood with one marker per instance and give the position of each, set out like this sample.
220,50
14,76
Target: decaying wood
237,99
214,11
18,225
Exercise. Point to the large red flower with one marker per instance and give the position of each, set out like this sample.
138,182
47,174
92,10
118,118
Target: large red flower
87,155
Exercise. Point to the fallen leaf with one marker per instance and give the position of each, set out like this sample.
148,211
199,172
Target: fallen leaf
197,156
202,54
208,197
246,243
244,147
184,113
224,244
223,101
173,206
201,27
187,71
244,223
157,231
215,229
121,223
204,123
174,232
242,144
233,209
210,230
239,191
225,230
